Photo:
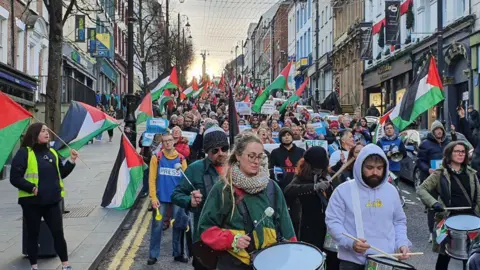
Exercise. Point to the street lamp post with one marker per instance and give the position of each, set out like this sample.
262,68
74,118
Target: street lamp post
130,99
236,63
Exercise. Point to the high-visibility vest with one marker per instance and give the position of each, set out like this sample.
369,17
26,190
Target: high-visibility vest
31,174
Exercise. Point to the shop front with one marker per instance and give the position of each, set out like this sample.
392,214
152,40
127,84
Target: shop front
78,76
385,84
18,86
107,76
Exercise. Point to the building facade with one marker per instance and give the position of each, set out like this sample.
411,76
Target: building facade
321,72
347,66
303,42
280,39
24,51
393,68
248,52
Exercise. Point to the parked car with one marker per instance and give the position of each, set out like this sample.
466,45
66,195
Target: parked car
412,139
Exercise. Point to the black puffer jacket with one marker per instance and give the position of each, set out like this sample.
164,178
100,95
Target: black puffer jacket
474,260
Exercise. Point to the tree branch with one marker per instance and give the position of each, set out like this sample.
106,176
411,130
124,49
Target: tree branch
68,11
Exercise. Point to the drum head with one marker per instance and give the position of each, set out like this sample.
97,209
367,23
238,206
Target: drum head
463,223
374,262
289,256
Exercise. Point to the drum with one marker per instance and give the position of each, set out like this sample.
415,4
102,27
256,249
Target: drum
289,256
330,244
382,263
460,227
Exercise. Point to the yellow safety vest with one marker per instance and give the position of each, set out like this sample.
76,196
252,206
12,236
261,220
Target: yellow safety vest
31,174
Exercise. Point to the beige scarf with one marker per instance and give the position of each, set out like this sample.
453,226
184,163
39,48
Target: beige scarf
251,185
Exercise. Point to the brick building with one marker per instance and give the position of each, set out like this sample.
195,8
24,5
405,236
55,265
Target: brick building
280,39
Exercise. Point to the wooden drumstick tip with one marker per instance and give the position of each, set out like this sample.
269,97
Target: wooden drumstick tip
372,247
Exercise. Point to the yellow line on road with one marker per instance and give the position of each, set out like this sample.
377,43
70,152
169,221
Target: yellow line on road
128,260
130,237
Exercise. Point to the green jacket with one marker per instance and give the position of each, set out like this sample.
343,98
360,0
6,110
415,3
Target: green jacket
218,226
181,195
430,191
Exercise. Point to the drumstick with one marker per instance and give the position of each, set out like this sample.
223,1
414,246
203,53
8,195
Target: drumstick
372,247
458,208
342,169
397,254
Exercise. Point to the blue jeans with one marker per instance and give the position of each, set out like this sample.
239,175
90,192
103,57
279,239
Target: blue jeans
156,235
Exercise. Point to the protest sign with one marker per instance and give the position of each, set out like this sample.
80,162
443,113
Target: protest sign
191,136
157,125
244,108
322,143
244,127
147,139
268,107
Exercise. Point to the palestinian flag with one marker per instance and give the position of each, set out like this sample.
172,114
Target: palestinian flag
441,232
144,110
125,178
169,82
80,125
294,98
190,90
247,98
15,119
279,83
163,100
197,93
424,93
380,131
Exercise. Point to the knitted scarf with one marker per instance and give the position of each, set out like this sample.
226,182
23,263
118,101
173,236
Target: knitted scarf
251,185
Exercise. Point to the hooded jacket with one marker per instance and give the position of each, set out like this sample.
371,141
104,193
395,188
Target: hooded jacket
430,149
287,160
384,222
474,260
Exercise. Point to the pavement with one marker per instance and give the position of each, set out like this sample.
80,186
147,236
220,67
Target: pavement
137,242
88,228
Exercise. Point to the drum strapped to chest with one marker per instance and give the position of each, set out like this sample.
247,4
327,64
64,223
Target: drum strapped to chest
330,244
289,256
461,229
381,263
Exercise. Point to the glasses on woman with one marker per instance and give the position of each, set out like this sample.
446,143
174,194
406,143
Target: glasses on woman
224,149
252,157
459,152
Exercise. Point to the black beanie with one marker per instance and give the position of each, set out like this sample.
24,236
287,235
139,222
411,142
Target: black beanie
214,137
283,131
317,157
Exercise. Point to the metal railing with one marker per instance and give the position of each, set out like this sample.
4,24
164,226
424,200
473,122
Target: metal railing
72,89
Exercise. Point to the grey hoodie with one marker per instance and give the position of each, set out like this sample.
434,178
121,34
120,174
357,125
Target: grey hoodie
384,221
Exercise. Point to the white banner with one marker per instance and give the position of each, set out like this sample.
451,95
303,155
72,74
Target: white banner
244,108
270,146
322,143
268,107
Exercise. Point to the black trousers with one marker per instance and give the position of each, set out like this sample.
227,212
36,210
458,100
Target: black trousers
52,215
346,265
110,133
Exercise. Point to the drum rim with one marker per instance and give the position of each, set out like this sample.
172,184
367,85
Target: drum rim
451,228
295,243
390,259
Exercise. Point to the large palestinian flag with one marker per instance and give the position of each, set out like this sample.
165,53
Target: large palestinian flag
279,83
13,122
125,178
144,110
165,98
294,98
81,124
169,82
190,90
424,93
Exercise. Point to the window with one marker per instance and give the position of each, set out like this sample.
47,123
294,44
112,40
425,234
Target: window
20,49
321,48
3,40
326,14
309,41
297,51
297,25
301,48
309,9
305,53
326,44
304,15
321,19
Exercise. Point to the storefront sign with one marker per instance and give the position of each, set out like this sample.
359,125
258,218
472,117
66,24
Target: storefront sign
77,58
79,28
103,45
392,22
92,41
18,81
387,71
108,70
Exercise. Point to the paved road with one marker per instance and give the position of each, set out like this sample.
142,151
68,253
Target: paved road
136,260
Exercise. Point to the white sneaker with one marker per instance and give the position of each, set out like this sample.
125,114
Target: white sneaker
430,238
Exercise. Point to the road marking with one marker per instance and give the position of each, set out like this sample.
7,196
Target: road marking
130,237
128,260
406,192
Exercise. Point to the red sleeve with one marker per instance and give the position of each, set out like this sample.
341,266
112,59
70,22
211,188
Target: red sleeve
218,238
183,149
293,239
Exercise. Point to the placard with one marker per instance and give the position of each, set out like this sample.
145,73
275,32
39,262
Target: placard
320,128
191,136
275,137
147,139
435,164
244,127
322,143
157,125
244,108
270,146
268,107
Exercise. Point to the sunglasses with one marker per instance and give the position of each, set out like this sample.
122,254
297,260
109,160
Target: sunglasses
224,149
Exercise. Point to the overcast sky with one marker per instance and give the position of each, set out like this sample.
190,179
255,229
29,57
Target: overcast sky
217,26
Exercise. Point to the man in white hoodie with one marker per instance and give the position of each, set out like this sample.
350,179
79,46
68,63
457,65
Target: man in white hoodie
369,209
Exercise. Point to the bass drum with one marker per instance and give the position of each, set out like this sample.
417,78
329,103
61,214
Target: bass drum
382,263
289,256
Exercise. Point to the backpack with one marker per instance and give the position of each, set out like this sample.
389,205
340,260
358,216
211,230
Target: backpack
160,155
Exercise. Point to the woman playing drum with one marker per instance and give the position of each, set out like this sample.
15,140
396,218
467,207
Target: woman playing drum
454,184
312,188
234,218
